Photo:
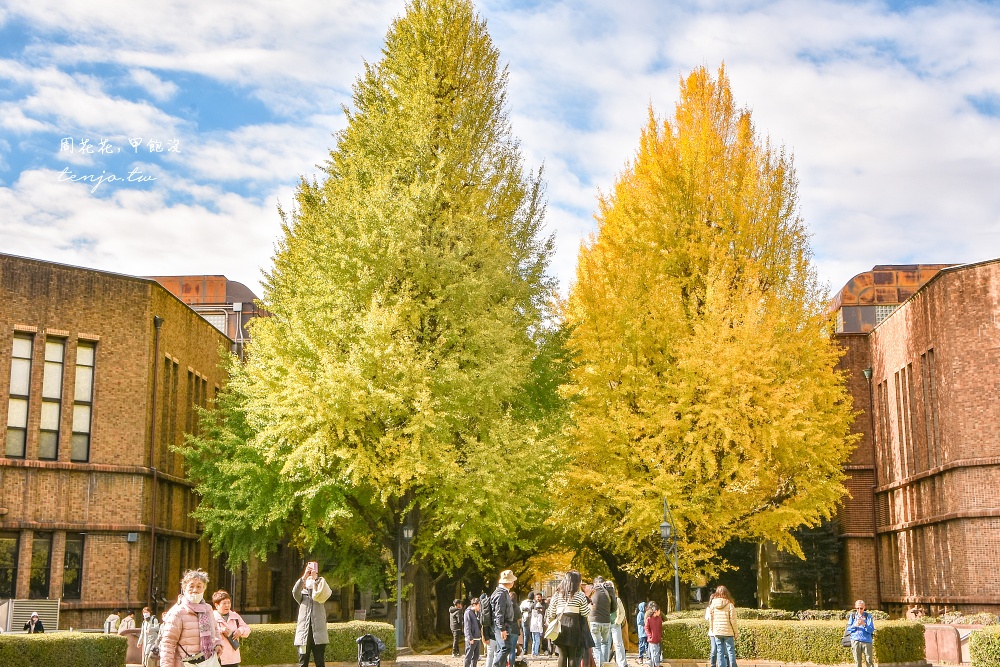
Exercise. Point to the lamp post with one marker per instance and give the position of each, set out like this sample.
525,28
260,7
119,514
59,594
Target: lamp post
668,533
406,534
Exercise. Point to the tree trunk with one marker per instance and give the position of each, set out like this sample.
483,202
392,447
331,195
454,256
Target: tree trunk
420,605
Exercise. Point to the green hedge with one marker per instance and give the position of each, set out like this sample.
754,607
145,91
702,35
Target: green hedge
836,614
984,647
65,649
747,613
271,644
799,641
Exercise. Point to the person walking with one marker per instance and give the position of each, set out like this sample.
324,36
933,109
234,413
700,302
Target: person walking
526,605
311,635
149,638
619,630
473,633
537,625
34,624
713,646
232,627
571,606
654,632
188,633
456,621
503,617
111,623
127,623
722,623
640,628
602,602
515,629
861,627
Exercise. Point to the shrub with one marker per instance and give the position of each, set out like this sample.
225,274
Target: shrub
836,614
747,613
803,641
750,614
984,647
272,644
65,649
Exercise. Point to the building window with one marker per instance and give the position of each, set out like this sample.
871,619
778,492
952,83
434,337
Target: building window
41,564
83,401
73,566
8,564
52,381
20,387
882,312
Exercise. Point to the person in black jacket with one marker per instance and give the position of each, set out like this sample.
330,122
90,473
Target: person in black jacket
455,621
34,624
504,617
473,633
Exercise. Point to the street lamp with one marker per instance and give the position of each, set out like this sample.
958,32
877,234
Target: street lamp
405,536
668,533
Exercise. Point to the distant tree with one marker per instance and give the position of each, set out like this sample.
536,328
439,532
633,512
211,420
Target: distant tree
817,574
704,366
409,371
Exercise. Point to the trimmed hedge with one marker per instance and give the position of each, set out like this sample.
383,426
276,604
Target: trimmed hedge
65,649
801,641
984,647
746,613
271,644
836,614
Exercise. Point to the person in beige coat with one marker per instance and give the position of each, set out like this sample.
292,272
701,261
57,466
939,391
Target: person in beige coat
189,629
722,624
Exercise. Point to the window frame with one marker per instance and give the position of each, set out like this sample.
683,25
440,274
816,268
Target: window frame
49,437
77,593
76,434
12,397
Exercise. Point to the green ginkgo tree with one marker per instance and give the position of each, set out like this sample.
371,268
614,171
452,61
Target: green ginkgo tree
406,373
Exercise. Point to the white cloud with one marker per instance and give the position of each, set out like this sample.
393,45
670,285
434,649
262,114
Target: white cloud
160,90
894,163
138,231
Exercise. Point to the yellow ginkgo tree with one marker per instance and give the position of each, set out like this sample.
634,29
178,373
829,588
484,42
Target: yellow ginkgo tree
704,366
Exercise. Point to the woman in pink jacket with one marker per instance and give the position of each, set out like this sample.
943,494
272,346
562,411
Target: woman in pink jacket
189,631
231,627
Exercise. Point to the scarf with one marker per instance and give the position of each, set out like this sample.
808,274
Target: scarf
206,619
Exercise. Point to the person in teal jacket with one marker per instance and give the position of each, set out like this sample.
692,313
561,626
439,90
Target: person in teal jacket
861,627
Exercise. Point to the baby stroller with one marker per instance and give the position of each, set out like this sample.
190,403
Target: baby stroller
370,650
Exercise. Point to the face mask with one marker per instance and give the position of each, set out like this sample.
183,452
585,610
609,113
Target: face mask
146,616
194,598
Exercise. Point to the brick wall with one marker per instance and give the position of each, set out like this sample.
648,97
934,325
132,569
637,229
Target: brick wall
109,495
937,415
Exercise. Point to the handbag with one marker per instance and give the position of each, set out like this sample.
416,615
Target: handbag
554,627
845,641
234,641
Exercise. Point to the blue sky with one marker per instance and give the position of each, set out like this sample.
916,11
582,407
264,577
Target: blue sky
891,109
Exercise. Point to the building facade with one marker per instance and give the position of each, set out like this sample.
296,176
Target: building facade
922,523
100,375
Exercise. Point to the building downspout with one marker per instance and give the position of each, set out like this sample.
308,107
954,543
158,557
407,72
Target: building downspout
157,324
871,415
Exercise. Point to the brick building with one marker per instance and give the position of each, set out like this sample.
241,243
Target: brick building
100,374
226,304
923,367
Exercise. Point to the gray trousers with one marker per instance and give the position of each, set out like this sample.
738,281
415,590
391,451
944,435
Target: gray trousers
862,649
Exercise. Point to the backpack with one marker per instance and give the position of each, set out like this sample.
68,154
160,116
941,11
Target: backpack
486,615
